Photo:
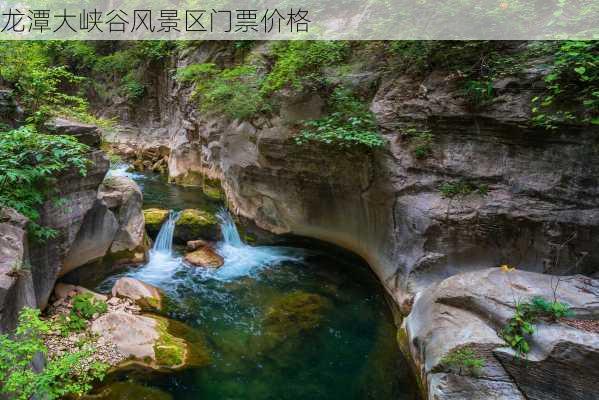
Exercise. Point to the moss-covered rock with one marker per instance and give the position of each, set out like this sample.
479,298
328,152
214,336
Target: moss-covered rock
196,224
295,313
126,391
152,342
154,218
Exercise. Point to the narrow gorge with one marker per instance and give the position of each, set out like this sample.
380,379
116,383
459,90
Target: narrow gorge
322,220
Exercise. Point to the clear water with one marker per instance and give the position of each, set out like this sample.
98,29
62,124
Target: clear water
350,353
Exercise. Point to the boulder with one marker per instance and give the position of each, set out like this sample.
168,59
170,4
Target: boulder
154,218
194,245
204,257
113,229
470,309
124,196
85,133
148,341
196,224
146,296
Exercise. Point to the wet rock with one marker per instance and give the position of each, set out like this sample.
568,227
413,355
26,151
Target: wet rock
204,257
193,224
146,296
154,218
148,341
194,245
295,313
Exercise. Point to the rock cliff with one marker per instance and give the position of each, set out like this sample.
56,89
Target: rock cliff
28,273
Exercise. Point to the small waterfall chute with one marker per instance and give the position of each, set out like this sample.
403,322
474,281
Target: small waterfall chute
242,259
229,229
164,240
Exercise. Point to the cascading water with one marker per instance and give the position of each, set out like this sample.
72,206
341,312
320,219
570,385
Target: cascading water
164,240
162,263
242,259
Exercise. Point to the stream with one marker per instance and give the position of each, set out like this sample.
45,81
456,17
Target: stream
349,352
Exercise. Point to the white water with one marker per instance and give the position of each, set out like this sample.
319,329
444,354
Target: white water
240,259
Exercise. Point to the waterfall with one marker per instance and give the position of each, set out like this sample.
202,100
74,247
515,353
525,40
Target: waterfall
164,240
229,229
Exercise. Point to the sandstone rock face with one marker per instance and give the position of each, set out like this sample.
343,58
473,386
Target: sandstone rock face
78,196
144,295
16,284
88,134
204,257
113,228
470,309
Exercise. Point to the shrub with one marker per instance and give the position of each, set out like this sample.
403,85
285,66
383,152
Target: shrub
298,61
463,361
85,305
421,142
349,123
526,314
572,94
478,93
550,309
234,92
69,374
29,161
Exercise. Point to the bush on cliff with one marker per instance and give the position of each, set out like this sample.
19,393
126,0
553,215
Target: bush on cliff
29,164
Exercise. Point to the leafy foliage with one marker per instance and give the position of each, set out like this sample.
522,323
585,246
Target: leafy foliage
234,92
29,162
349,123
44,89
463,361
296,62
63,375
85,305
526,314
550,309
572,86
421,141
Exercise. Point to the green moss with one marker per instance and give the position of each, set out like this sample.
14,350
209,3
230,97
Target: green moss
196,224
128,390
154,218
169,350
295,313
179,346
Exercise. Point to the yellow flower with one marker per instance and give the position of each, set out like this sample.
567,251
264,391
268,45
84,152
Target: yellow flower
507,268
